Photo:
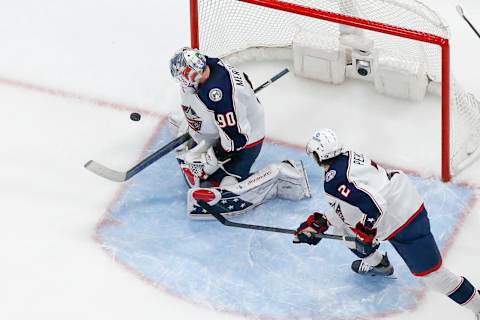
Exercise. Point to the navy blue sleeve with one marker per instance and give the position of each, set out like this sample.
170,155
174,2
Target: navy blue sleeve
341,188
217,95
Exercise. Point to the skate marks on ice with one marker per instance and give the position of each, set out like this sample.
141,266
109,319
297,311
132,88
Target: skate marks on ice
260,274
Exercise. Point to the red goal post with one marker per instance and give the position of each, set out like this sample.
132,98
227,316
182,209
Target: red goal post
318,13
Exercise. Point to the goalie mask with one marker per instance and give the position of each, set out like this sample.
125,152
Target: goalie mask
187,66
324,145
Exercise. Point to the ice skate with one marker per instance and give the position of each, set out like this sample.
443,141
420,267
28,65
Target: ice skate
384,268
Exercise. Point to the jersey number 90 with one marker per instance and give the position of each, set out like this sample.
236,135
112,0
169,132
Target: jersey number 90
226,120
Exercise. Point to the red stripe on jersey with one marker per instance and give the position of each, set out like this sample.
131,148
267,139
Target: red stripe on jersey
251,145
406,223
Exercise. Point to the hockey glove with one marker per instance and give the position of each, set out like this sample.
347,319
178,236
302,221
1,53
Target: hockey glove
201,160
210,162
316,223
365,234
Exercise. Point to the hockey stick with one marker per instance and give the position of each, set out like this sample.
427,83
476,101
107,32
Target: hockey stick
272,80
359,245
218,215
121,176
460,12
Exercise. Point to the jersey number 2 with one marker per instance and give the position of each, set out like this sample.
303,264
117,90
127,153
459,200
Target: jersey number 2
344,191
226,120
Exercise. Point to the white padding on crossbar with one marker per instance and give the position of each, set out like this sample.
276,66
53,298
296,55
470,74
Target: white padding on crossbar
319,56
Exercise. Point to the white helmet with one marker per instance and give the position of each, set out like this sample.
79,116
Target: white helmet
187,66
324,145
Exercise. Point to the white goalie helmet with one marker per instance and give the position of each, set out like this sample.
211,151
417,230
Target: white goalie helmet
187,66
324,145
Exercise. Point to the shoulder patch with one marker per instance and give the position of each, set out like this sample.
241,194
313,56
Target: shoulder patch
215,94
330,175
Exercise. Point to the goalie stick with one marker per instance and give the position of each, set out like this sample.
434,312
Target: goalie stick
218,209
460,12
121,176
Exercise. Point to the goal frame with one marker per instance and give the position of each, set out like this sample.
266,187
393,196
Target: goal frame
372,26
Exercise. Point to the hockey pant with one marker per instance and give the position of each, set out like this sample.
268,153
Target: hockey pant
285,180
416,245
238,166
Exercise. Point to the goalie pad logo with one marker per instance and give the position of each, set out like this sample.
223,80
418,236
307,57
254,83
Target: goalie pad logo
227,202
209,195
194,121
215,94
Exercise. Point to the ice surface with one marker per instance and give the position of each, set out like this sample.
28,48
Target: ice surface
257,273
117,52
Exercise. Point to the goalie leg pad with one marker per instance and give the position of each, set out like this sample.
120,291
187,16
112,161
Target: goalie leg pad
228,203
293,181
287,180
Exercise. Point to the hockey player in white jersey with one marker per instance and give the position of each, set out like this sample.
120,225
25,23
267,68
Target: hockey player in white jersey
226,122
380,205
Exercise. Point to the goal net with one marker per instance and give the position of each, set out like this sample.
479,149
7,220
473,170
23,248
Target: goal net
402,36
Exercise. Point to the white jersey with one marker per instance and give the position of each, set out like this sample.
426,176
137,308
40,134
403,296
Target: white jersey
361,191
224,107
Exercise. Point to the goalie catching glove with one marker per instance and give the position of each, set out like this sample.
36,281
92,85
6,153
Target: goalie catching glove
201,160
315,224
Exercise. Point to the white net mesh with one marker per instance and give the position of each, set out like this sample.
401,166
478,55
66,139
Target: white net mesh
464,127
232,26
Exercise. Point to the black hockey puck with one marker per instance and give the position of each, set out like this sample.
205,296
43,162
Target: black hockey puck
135,116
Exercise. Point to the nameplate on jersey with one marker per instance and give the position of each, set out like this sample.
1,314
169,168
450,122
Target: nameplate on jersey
236,74
215,94
358,159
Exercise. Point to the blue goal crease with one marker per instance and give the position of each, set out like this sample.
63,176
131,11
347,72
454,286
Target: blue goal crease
256,273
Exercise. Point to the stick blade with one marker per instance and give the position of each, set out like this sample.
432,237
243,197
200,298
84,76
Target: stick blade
211,210
460,10
105,172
